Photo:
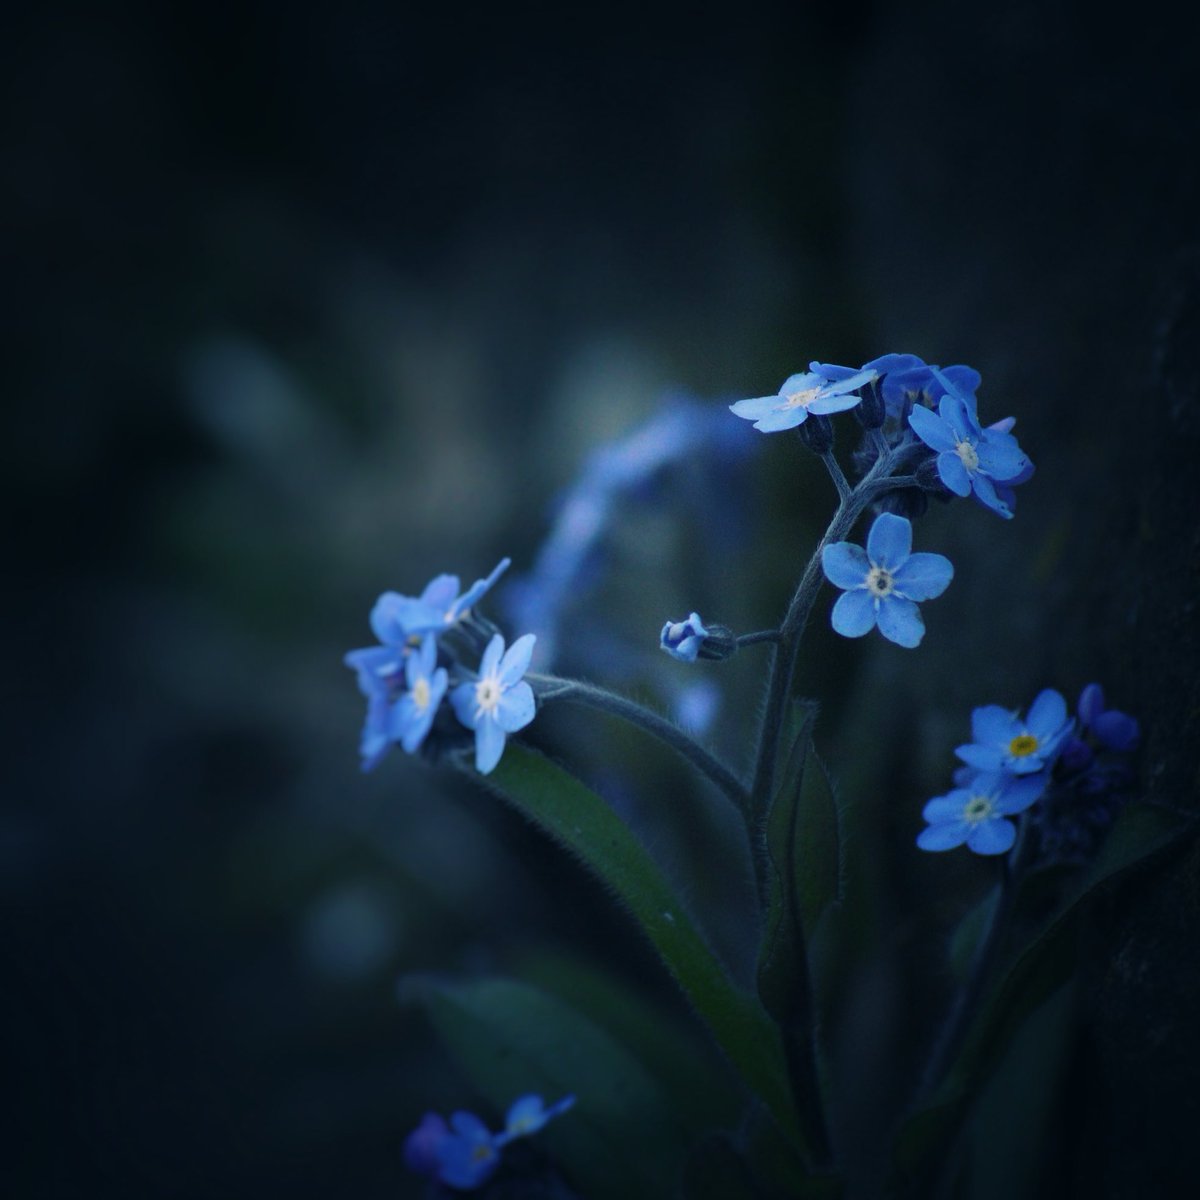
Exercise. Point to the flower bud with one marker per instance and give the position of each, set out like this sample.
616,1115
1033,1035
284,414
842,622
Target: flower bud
817,433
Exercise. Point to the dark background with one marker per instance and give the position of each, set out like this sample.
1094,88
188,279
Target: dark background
308,304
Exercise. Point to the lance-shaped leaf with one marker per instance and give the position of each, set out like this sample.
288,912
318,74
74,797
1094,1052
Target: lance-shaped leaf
584,824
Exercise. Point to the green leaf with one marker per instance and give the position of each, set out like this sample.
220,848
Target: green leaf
621,1139
584,824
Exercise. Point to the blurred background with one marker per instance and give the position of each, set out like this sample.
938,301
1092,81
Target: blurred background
312,303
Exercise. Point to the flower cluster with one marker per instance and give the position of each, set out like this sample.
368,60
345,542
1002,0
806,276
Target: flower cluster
1075,769
463,1153
406,677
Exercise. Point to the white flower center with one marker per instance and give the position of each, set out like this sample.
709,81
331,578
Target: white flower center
977,809
421,694
880,582
801,399
966,452
487,695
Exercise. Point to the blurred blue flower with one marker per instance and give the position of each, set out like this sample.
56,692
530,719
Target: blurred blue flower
682,639
970,459
1114,730
421,1146
416,708
380,671
906,380
499,701
800,395
976,814
527,1114
468,1155
1003,742
395,618
882,585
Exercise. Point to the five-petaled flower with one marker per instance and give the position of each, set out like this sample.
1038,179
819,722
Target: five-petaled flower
380,671
882,585
682,639
977,813
396,618
499,701
468,1154
969,458
416,708
800,395
1003,742
527,1114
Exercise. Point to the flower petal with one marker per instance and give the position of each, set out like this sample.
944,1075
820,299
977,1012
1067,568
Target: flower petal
1001,457
751,410
383,619
463,701
440,592
1091,703
924,576
889,542
992,725
982,758
854,613
953,473
489,744
845,564
1018,794
787,418
955,412
840,402
516,708
931,429
945,808
491,656
986,493
515,662
1116,730
992,837
943,837
900,621
1047,714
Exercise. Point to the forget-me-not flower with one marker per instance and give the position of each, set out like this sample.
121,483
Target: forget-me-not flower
469,1153
395,618
380,671
682,639
499,702
969,458
1114,730
882,585
800,395
905,380
416,708
527,1114
1004,742
977,813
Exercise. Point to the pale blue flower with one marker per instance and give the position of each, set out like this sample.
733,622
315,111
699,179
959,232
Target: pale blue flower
499,701
469,1153
682,639
977,813
395,618
882,585
416,708
1005,742
528,1114
380,671
800,395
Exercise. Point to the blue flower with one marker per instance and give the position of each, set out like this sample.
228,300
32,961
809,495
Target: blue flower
421,1146
906,380
469,1155
1112,729
976,814
396,618
380,671
682,639
416,708
1003,742
527,1115
499,702
800,395
883,584
970,459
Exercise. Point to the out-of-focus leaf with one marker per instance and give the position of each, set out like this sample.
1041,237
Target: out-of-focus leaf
621,1139
585,825
965,939
717,1170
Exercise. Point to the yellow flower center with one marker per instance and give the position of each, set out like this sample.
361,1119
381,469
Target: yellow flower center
482,1151
880,582
801,399
420,694
977,809
966,452
1022,745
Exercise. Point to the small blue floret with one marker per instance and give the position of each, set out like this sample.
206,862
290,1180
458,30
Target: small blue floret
977,813
499,702
682,639
808,392
527,1115
1005,742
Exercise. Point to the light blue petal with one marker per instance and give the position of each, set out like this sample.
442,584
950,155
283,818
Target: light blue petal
475,592
954,411
845,564
1090,706
751,410
832,385
802,382
824,405
516,659
788,418
900,621
992,725
1016,795
415,616
420,662
463,701
889,542
491,656
375,667
943,837
1047,714
953,473
992,837
1025,765
986,494
489,745
383,619
516,708
965,380
413,727
931,429
946,808
440,592
1001,457
982,758
924,576
854,613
